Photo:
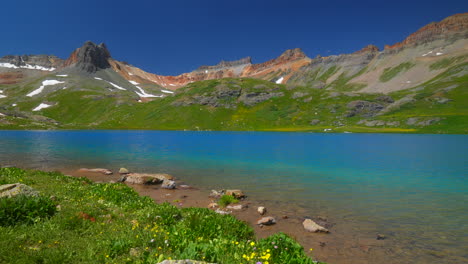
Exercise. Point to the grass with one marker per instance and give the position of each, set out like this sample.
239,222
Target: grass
111,223
444,63
95,108
390,73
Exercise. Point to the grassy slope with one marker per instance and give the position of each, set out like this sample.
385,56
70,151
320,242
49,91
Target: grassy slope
95,108
110,223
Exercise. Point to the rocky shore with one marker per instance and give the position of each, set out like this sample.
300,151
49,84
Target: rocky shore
316,233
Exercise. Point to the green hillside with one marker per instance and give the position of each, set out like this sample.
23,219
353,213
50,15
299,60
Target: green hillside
437,106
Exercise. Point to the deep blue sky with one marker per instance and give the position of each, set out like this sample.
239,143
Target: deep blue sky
176,36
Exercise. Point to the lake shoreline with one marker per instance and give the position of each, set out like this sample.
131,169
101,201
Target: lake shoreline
320,246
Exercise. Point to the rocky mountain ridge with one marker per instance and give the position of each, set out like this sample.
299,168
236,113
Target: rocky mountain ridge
359,70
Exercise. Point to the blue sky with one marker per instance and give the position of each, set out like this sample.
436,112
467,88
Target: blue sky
172,37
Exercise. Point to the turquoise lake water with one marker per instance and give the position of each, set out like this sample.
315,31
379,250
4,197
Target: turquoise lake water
413,188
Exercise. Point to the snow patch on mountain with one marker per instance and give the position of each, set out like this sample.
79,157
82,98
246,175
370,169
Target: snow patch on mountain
44,84
41,106
280,80
27,66
116,86
113,84
167,91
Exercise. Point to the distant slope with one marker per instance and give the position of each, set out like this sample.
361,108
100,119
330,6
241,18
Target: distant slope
417,86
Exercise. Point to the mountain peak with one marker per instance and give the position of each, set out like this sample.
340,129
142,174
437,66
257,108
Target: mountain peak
368,48
227,64
292,54
451,25
90,57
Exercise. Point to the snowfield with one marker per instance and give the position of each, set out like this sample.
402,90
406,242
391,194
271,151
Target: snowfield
44,84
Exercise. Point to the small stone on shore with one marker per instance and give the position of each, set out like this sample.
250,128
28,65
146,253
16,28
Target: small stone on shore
311,226
261,210
268,220
221,212
236,207
213,205
238,194
168,184
216,194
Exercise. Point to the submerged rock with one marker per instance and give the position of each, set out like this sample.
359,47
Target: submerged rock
380,237
311,226
97,170
123,171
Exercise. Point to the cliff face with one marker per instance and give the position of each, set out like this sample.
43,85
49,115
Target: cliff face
89,58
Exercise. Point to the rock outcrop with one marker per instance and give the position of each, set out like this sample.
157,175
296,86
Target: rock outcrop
147,178
456,24
90,58
15,189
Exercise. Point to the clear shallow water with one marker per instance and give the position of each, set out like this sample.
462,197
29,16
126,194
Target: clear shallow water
413,188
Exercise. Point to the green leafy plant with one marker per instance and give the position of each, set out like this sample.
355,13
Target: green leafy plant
226,200
25,209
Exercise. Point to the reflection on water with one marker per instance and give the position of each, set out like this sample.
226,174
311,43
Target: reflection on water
412,187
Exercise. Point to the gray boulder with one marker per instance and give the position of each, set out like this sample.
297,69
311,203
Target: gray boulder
412,121
314,122
15,189
299,95
363,108
168,184
253,98
146,178
429,122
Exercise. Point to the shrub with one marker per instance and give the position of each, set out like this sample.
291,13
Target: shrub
25,209
226,200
